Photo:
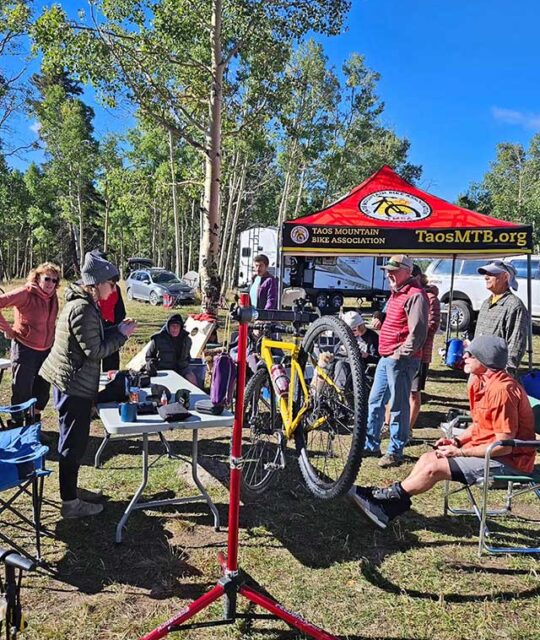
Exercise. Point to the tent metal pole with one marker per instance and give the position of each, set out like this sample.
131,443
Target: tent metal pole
450,300
529,306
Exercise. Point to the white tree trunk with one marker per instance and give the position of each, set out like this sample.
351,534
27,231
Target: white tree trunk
234,228
210,244
177,243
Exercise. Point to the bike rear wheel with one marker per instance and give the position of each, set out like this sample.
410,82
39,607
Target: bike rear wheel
263,447
331,437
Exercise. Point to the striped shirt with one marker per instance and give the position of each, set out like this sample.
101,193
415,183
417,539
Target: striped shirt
506,318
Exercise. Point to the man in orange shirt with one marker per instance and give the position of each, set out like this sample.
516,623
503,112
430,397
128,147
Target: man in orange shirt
500,410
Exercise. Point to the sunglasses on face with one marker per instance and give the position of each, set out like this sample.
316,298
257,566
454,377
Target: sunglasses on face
49,279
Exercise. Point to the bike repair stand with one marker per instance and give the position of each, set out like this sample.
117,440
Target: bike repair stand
233,583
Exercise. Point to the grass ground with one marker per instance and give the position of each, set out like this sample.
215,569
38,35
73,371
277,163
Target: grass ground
420,579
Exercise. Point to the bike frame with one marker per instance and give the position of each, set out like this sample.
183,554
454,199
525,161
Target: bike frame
286,404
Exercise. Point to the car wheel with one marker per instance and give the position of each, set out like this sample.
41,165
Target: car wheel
129,294
461,315
153,299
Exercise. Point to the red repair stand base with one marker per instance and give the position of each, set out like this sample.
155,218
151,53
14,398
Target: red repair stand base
232,582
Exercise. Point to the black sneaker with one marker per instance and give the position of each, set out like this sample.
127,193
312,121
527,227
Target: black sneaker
373,509
392,499
393,492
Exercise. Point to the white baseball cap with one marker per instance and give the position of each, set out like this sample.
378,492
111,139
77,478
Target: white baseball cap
353,319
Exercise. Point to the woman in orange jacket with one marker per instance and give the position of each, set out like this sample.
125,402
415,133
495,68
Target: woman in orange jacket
35,309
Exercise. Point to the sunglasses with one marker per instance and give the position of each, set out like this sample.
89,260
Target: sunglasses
394,263
49,279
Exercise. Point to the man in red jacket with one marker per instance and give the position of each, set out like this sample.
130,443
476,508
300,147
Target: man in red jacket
402,337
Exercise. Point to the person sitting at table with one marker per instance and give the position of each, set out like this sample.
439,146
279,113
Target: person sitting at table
73,368
170,349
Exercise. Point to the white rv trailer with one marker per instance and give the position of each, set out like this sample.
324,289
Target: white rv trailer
253,241
325,280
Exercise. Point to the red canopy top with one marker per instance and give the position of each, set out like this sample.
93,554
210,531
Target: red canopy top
347,210
386,215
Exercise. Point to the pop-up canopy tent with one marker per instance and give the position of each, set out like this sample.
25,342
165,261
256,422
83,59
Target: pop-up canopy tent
386,215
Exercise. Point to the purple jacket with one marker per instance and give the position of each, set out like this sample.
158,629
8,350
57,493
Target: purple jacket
267,293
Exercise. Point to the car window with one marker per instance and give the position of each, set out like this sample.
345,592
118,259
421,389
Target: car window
162,277
521,268
445,267
144,277
470,267
134,275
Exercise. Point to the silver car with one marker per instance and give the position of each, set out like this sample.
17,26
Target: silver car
152,284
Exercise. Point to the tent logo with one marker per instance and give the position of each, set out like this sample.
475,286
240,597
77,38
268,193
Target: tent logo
299,234
394,206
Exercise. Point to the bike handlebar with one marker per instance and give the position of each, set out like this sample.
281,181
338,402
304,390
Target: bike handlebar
279,315
272,327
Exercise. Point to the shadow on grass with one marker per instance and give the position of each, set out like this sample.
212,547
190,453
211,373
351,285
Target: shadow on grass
92,560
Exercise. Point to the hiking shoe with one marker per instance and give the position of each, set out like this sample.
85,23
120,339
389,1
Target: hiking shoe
361,497
79,509
390,460
393,492
89,496
371,453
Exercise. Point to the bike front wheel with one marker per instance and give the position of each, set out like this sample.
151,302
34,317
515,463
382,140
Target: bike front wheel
331,437
262,447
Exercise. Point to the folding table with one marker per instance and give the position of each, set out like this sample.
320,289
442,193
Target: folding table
153,424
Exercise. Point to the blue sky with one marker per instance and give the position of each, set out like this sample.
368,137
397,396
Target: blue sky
457,77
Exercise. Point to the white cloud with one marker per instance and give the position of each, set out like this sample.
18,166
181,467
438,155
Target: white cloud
35,127
520,118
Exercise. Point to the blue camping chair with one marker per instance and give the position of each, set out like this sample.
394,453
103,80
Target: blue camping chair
22,468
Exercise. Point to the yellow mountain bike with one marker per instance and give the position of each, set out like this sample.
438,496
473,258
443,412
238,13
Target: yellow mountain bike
324,410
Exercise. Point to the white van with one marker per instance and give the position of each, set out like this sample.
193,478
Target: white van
470,287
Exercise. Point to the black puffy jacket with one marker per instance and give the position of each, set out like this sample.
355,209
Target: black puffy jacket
166,352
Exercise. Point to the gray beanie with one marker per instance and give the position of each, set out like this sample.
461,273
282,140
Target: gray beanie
96,269
491,351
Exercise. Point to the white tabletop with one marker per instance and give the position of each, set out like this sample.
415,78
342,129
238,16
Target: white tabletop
4,364
110,416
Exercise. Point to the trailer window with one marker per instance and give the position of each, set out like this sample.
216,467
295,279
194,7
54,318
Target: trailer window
246,252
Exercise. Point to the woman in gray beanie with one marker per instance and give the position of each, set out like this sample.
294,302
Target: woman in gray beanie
73,367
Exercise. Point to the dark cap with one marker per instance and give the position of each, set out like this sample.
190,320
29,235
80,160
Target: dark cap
491,351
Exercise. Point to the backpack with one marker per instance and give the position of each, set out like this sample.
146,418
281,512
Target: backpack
223,380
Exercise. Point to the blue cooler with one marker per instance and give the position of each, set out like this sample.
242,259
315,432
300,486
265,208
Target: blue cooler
454,353
531,382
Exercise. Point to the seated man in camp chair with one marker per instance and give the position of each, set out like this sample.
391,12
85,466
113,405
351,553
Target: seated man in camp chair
500,410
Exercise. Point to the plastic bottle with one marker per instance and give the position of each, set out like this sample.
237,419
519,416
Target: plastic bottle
280,380
164,400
